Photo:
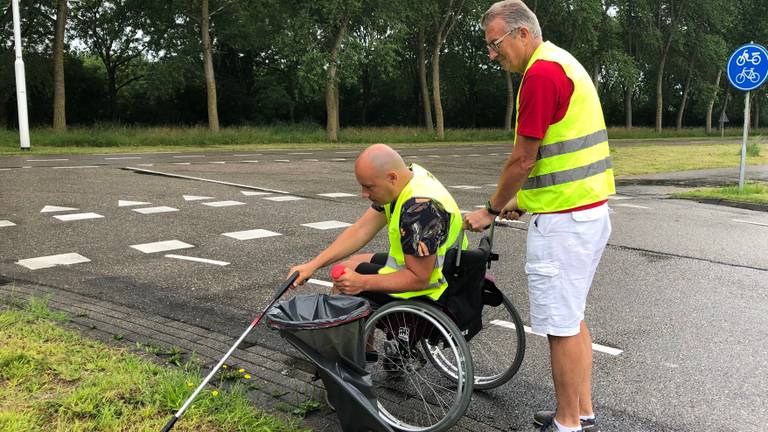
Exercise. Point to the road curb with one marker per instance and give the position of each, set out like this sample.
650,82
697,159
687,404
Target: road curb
727,203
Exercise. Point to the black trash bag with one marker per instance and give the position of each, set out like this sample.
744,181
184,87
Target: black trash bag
329,331
464,297
330,324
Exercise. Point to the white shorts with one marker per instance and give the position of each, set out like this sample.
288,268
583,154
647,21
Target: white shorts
564,250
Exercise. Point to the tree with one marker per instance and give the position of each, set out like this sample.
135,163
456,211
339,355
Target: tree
114,31
447,15
667,27
59,93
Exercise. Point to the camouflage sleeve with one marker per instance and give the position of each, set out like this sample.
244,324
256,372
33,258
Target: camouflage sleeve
423,226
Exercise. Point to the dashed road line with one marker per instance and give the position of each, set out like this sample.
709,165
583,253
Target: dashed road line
53,209
251,234
122,158
301,153
336,195
153,210
348,152
751,223
249,161
223,203
162,246
6,223
196,259
188,156
326,225
78,216
283,160
246,155
632,206
146,171
124,203
75,167
52,261
195,198
465,187
47,160
596,347
254,193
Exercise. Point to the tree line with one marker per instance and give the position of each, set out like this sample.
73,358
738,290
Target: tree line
657,63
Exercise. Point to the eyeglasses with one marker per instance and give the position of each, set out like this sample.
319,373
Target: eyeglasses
494,46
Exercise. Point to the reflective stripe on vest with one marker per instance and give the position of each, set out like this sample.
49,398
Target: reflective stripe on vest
573,166
422,185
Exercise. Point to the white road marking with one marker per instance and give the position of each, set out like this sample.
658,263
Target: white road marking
493,154
50,209
46,160
465,187
78,216
196,259
26,167
348,152
750,222
632,206
223,203
596,347
162,246
195,198
75,167
434,156
122,203
218,162
326,225
320,282
311,160
247,155
474,155
52,261
153,210
6,223
301,153
6,169
284,198
202,179
182,163
456,155
282,160
491,184
122,158
249,161
189,156
337,159
337,195
145,164
254,193
251,234
618,197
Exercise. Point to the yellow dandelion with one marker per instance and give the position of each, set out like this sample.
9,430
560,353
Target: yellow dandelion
215,393
241,370
224,367
247,376
189,384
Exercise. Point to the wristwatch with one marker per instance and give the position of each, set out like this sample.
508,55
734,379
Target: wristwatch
491,210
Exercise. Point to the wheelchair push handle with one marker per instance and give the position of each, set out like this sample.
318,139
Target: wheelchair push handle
493,256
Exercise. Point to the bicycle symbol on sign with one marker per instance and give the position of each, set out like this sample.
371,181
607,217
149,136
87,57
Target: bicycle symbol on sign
744,58
748,74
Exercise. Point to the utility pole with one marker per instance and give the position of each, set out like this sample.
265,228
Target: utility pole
21,82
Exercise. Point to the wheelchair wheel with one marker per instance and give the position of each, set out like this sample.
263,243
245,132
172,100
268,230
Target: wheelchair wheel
412,394
497,350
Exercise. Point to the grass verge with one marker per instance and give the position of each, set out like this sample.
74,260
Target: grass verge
755,193
652,159
52,379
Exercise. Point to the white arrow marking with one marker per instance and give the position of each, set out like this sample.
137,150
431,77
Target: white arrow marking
51,209
122,203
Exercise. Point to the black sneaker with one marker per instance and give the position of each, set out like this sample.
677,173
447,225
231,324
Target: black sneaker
545,419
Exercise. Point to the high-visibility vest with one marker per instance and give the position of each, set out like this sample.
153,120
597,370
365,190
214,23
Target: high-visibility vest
422,185
573,167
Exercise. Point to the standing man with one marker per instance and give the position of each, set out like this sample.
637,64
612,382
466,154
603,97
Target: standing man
560,171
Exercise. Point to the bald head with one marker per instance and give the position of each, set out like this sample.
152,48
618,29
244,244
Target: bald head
382,173
379,159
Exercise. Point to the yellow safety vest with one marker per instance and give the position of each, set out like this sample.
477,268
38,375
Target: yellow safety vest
422,185
573,166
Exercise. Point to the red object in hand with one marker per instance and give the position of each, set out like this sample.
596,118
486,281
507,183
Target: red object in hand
337,271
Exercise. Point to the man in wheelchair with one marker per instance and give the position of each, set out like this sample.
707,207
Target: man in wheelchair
423,222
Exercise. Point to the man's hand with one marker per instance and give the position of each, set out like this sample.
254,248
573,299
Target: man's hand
478,220
511,211
349,283
305,272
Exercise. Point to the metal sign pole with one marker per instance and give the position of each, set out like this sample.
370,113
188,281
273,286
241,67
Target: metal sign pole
21,82
743,166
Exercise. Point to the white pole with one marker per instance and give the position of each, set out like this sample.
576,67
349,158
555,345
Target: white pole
21,82
743,165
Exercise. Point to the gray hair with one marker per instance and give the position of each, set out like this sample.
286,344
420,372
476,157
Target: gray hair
515,15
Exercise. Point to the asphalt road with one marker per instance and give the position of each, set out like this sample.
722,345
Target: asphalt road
682,289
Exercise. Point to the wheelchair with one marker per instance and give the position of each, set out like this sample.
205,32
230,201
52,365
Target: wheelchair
425,357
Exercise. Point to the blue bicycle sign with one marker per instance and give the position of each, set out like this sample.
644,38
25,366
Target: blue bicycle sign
748,67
